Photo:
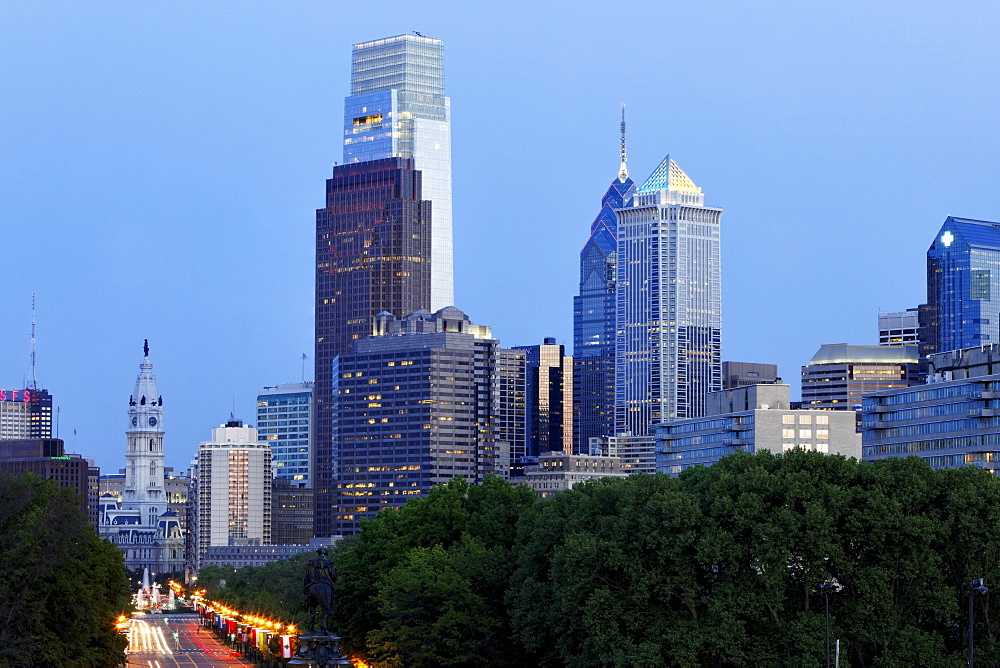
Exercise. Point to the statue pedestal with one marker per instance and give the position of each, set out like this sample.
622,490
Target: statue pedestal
319,650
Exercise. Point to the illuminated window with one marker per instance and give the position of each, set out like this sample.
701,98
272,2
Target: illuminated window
787,419
805,419
788,433
805,433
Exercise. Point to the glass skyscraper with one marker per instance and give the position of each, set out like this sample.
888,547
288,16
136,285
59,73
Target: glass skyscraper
372,255
963,285
669,303
594,317
284,421
397,109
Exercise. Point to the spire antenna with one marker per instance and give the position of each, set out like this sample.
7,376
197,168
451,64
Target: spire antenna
32,380
623,170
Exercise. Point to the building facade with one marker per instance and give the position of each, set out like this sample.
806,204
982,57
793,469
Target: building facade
741,374
899,328
141,523
963,285
397,109
952,420
669,303
838,375
558,471
291,513
233,490
25,414
284,420
548,398
752,419
594,313
47,458
372,255
429,398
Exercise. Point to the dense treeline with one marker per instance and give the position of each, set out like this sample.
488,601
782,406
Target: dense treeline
61,587
719,567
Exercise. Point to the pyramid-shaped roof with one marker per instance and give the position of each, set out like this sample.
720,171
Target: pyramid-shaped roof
967,232
669,176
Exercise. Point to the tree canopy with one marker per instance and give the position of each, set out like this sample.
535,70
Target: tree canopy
61,587
722,566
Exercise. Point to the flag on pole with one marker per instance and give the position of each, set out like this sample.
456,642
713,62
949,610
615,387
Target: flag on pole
286,647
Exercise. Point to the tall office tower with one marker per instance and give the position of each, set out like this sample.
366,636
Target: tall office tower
594,315
669,318
233,489
284,420
431,397
142,524
25,414
963,285
372,255
548,398
397,109
838,374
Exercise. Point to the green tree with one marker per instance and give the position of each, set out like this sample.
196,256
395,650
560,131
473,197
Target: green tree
424,585
61,587
723,565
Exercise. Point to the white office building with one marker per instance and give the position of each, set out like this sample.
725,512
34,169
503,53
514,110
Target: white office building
669,303
232,489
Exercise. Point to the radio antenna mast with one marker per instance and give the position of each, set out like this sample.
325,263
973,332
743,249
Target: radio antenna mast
32,380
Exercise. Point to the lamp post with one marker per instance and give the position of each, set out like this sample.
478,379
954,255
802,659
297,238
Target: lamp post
825,590
977,586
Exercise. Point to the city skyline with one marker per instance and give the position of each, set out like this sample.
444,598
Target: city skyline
161,167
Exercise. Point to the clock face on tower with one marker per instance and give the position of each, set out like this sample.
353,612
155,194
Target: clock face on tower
135,421
152,422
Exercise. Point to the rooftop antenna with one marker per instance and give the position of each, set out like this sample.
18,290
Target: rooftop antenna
623,170
32,380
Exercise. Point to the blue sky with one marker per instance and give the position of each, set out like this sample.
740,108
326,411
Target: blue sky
161,163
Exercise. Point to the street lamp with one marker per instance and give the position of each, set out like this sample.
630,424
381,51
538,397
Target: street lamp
825,590
977,586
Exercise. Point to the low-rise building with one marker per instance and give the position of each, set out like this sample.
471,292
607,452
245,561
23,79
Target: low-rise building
952,420
752,419
557,471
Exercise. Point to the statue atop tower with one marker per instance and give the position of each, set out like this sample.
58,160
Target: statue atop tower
141,523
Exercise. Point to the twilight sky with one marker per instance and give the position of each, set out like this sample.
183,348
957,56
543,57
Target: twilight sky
161,163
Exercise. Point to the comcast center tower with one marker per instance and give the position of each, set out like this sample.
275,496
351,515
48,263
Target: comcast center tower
397,109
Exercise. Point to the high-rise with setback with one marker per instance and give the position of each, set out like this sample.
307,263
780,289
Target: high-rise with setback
669,303
594,313
397,109
383,240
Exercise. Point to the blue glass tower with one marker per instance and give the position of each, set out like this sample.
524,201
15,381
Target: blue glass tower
594,316
963,285
397,109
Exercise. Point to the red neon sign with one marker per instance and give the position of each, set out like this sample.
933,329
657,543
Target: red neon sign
15,395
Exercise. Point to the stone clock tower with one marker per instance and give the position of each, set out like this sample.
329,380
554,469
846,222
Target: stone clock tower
141,523
144,458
